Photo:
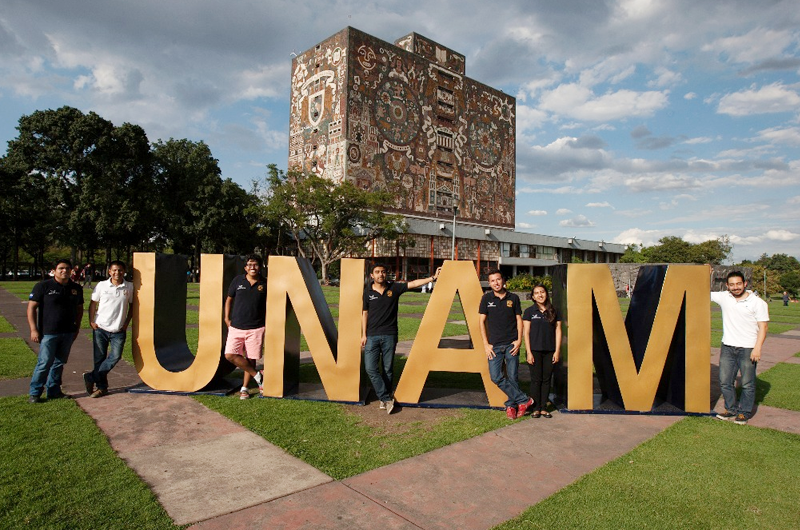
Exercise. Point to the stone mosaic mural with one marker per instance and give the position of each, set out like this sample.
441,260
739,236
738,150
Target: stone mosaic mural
403,117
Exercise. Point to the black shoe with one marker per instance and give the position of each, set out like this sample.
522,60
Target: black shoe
34,399
88,382
59,396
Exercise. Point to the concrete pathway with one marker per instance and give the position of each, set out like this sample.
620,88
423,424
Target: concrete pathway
186,453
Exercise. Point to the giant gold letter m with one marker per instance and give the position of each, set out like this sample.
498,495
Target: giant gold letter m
670,357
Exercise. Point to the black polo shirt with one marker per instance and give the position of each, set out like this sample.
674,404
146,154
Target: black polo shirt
249,302
543,333
382,308
58,306
501,317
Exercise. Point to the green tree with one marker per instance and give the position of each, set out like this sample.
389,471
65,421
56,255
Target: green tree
326,219
633,254
790,281
779,262
713,251
189,187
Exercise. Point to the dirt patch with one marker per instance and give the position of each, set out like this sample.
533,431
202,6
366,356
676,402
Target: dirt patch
402,419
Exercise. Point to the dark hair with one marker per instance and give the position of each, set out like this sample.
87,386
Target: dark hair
62,260
734,274
493,272
376,265
256,258
118,263
549,310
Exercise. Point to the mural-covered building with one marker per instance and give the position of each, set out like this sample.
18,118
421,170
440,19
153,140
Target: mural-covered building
404,117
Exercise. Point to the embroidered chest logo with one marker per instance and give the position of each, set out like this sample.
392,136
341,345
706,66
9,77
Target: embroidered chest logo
491,304
241,288
373,297
389,294
260,287
509,303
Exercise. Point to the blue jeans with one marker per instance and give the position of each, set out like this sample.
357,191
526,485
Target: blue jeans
380,348
733,359
107,353
53,354
508,381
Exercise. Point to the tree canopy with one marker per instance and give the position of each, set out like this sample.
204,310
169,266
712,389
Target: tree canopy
672,249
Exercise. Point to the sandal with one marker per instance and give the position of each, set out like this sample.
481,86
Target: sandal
547,414
536,414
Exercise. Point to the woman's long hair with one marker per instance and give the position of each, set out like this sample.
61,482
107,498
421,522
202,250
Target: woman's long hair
549,310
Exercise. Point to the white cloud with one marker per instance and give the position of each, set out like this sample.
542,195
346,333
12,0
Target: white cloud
526,226
699,140
781,135
604,204
580,221
579,102
637,236
563,211
756,45
537,212
768,99
781,235
665,78
690,96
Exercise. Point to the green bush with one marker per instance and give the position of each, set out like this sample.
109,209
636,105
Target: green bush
526,283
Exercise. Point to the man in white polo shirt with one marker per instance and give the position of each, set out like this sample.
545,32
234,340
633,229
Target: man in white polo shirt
109,315
745,318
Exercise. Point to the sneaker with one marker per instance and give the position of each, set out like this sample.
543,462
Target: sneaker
511,413
244,394
741,419
259,380
727,415
523,407
100,392
87,381
383,405
389,406
34,399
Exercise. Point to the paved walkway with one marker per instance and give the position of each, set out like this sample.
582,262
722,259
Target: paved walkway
183,451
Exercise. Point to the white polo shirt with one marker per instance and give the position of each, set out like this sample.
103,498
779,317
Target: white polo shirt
740,318
113,302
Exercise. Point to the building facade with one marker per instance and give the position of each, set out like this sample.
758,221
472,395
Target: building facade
404,118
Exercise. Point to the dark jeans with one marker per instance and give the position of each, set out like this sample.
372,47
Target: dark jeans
107,353
541,371
733,359
53,355
380,349
506,382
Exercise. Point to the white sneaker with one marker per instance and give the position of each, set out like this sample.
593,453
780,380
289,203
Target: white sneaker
389,406
383,405
259,379
244,394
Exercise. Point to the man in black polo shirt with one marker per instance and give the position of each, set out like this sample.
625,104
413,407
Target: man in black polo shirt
245,315
501,329
55,309
379,329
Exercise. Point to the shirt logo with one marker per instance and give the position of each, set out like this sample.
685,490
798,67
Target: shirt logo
491,304
509,303
536,316
74,292
373,297
389,294
52,291
260,287
241,288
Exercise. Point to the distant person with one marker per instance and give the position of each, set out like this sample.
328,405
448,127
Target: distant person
55,309
500,315
379,329
541,329
245,316
745,318
75,275
785,299
86,275
110,313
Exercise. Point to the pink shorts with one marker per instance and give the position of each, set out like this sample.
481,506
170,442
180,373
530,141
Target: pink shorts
245,340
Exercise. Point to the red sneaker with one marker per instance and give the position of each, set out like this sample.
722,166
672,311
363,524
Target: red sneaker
524,407
511,413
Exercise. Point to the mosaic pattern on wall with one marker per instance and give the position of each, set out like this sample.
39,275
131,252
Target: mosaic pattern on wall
385,118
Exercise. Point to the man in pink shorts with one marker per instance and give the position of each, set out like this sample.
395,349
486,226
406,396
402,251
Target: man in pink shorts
245,314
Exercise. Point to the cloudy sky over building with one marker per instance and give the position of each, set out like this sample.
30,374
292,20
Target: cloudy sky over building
635,119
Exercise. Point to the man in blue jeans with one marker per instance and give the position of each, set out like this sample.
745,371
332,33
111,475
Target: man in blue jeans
109,315
745,318
379,329
500,314
55,309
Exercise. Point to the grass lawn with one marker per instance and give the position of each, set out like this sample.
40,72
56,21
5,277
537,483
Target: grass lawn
338,442
58,471
16,358
778,387
5,326
699,473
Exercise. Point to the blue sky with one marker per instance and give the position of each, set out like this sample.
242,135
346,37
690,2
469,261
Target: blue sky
635,119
